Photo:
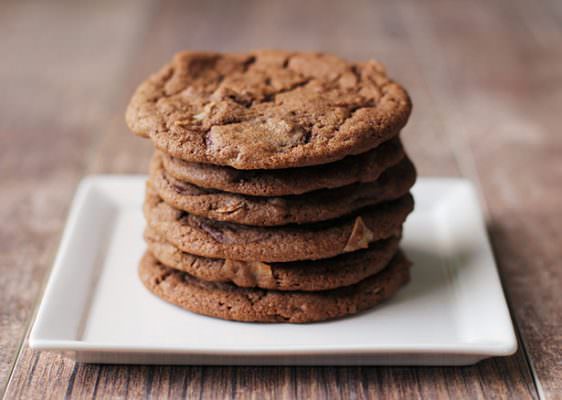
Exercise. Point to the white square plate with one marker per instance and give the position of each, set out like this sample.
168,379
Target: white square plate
95,309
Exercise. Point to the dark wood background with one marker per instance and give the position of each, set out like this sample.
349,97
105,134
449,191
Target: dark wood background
486,81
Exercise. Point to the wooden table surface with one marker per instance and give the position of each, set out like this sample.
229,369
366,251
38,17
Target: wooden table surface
486,81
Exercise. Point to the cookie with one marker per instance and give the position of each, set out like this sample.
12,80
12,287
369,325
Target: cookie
329,273
229,302
213,239
361,168
267,109
315,206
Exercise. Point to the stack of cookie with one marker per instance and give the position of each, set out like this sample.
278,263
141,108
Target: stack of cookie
278,187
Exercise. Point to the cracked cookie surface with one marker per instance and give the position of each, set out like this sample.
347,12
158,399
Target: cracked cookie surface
267,109
226,301
310,207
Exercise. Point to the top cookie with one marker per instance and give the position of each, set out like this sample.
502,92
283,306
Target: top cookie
267,109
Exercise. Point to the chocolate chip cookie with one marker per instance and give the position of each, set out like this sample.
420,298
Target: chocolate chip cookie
315,206
209,238
361,168
267,109
279,186
230,302
330,273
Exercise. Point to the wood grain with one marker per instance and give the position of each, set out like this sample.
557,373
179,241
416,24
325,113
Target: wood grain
485,83
508,140
57,75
